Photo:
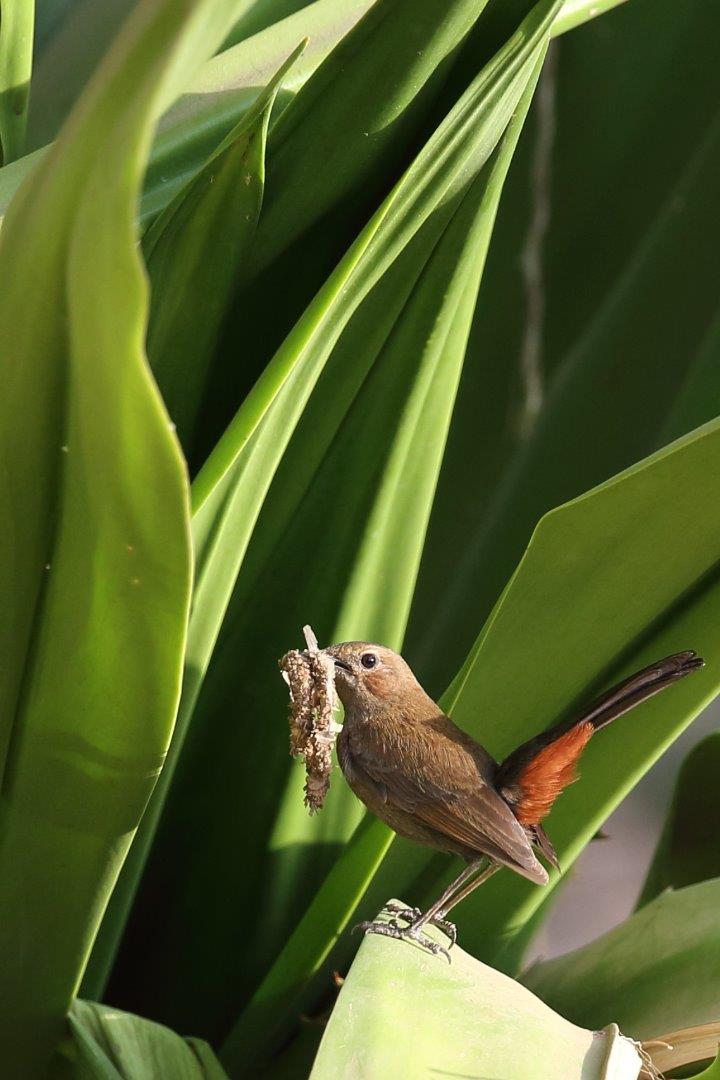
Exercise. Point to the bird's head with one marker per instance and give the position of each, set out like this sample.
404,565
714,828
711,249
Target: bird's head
368,675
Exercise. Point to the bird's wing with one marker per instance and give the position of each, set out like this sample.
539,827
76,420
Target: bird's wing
448,788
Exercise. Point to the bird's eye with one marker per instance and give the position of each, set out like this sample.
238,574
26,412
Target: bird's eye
369,660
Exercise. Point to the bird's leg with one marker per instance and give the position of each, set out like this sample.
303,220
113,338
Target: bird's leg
469,887
457,891
456,894
433,916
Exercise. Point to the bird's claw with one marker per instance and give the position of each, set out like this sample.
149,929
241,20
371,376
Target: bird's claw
447,927
410,914
404,933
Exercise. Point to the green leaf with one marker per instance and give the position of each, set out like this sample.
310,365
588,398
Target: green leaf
228,84
611,362
95,570
304,187
576,12
76,46
16,48
12,176
193,251
600,413
687,851
69,45
654,973
265,13
215,99
321,189
403,1012
698,400
112,1045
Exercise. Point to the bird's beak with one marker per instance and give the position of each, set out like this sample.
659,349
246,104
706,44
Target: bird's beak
342,664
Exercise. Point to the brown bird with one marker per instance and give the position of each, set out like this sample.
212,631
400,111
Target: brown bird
431,782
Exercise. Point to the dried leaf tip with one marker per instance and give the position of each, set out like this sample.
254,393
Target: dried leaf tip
310,675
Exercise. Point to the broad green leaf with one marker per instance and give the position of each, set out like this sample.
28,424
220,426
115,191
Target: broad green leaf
95,566
193,251
12,176
656,972
608,404
112,1045
321,188
576,12
623,321
698,400
402,1012
16,47
303,188
225,88
80,39
48,19
687,851
69,45
264,13
215,99
399,304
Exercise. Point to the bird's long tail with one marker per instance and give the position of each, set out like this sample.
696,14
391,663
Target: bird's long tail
533,776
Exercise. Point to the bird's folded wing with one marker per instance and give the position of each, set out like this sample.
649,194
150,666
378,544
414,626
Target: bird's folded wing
447,793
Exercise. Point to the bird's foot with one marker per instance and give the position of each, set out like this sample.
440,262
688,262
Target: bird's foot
411,914
412,933
401,911
447,927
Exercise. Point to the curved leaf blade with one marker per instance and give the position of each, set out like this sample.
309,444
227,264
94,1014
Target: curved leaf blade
214,100
193,251
112,1045
607,404
96,573
653,973
687,851
402,1011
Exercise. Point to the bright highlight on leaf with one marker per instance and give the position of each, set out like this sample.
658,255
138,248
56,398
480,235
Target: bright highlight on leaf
193,251
16,50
